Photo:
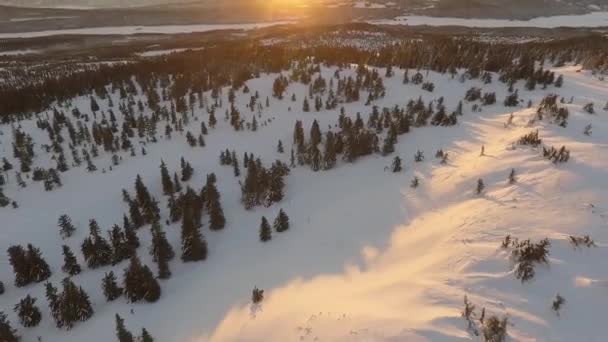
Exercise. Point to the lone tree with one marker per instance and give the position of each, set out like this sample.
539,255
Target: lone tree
480,186
281,223
28,312
257,295
265,231
70,264
396,167
66,228
415,182
110,288
512,177
7,333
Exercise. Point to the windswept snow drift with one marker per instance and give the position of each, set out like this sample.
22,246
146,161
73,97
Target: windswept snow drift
366,257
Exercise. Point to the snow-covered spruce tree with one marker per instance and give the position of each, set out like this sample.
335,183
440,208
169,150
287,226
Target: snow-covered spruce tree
96,250
415,182
110,287
122,333
194,247
70,264
139,282
66,228
281,223
7,333
265,231
161,251
2,289
27,311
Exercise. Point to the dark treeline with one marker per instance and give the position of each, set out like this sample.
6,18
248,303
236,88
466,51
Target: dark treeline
232,64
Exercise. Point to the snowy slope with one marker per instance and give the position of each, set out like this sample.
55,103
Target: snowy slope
367,257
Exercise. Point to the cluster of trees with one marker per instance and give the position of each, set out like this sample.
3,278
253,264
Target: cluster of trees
526,255
263,186
281,224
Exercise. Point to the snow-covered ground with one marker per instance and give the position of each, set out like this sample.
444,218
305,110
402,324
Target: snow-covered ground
128,30
18,52
156,53
594,19
367,258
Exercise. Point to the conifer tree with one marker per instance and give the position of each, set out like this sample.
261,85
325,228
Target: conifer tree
161,251
139,282
194,247
1,288
166,179
176,184
145,336
217,220
131,239
280,147
122,333
235,165
7,333
265,231
396,167
21,266
96,250
110,287
415,182
480,186
121,249
187,170
70,306
137,218
281,223
70,264
66,227
28,312
39,270
512,177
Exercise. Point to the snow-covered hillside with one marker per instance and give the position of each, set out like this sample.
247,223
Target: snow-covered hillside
367,257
